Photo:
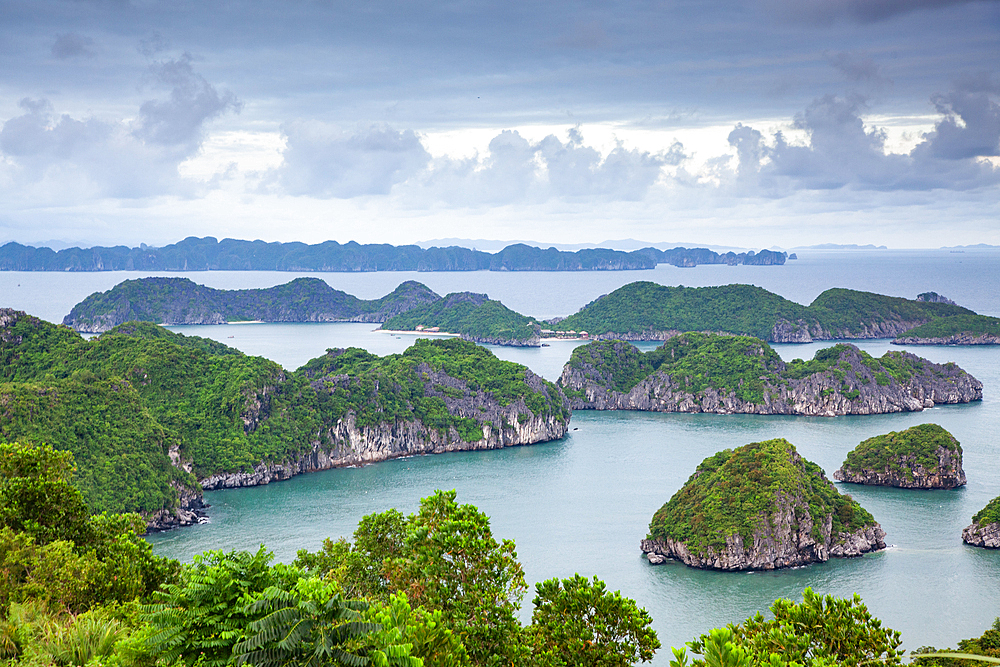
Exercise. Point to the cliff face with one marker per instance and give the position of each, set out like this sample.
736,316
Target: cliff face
803,331
954,339
906,472
759,507
852,388
979,535
345,442
781,541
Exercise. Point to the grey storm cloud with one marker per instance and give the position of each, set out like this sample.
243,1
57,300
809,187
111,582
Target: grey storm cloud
856,68
325,162
857,11
842,152
193,100
73,45
94,157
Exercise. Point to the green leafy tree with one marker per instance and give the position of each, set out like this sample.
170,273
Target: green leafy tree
54,575
200,619
37,495
311,625
818,631
128,569
452,563
359,568
427,632
577,622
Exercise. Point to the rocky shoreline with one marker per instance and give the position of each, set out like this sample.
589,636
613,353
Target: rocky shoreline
789,546
949,474
862,391
759,507
361,446
955,339
987,536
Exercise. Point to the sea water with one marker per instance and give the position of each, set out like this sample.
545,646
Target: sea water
582,504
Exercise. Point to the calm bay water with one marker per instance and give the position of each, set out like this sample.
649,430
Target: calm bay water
583,503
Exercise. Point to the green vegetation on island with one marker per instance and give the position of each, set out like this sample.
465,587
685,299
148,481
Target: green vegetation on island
699,372
181,301
645,310
645,307
474,316
953,329
989,514
892,459
209,254
738,364
738,492
138,402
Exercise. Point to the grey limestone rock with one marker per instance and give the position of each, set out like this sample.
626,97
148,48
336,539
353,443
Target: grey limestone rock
987,535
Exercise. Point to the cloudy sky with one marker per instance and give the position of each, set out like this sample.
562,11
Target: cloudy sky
756,123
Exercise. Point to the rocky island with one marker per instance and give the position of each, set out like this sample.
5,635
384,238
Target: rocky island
985,528
210,254
649,311
182,301
921,457
954,330
169,415
698,372
759,507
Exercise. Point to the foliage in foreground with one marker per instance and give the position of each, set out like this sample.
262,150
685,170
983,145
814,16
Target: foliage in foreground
818,632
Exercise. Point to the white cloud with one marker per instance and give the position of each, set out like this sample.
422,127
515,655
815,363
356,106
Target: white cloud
53,158
323,161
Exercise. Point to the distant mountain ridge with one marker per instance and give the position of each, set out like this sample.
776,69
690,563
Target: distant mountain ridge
210,254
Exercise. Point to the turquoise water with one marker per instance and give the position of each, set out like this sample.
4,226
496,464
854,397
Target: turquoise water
583,503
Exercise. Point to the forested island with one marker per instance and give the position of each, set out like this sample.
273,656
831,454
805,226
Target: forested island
152,417
759,507
182,301
209,254
637,311
697,372
925,456
649,311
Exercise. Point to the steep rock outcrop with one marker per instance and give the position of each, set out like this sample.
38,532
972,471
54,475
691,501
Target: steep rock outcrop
921,457
856,385
760,507
348,441
987,536
985,528
964,338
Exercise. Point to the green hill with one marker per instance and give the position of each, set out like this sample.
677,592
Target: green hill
139,399
759,501
643,310
181,301
923,456
474,316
